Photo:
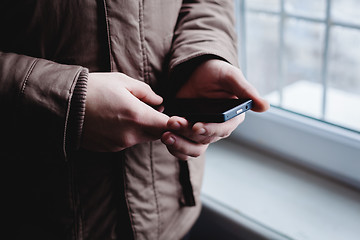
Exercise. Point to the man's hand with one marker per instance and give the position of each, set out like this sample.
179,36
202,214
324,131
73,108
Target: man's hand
118,114
219,79
212,79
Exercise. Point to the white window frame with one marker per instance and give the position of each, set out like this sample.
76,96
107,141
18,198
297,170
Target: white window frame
322,147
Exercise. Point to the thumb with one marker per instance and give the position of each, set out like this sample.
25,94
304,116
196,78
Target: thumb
153,121
248,91
143,92
243,89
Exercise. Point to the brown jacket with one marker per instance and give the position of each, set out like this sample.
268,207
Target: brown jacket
56,190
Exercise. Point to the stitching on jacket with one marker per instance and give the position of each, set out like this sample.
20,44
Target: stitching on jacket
130,212
145,64
108,33
146,76
154,187
28,75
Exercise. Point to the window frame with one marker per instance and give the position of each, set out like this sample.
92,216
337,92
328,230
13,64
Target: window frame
324,148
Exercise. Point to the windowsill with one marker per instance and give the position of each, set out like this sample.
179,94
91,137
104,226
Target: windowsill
278,197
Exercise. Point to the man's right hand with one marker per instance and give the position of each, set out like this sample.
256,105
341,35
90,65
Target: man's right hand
118,114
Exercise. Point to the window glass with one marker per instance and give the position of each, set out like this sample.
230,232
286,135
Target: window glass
346,11
262,48
305,58
343,98
268,5
302,65
308,8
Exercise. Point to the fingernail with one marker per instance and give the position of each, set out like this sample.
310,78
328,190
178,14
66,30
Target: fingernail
170,141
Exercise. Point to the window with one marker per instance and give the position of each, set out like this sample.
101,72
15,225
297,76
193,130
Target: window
304,57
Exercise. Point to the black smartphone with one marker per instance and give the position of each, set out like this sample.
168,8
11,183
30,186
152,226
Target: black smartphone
207,110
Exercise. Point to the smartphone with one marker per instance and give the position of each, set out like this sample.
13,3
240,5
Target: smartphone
207,110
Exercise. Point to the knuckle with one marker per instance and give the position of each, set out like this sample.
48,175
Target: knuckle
196,154
136,116
177,154
183,157
180,148
126,114
206,140
127,141
132,115
226,134
210,131
200,151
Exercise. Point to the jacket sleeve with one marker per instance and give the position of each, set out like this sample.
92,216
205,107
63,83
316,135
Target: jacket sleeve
204,27
35,99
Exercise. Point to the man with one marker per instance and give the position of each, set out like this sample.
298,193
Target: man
86,154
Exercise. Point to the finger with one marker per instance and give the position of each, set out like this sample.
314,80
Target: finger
176,123
182,148
182,127
204,133
151,121
151,118
144,92
243,89
212,132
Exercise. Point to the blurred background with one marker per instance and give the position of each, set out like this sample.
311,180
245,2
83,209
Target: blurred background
304,56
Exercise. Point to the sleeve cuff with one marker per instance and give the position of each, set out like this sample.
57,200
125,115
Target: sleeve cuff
77,112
